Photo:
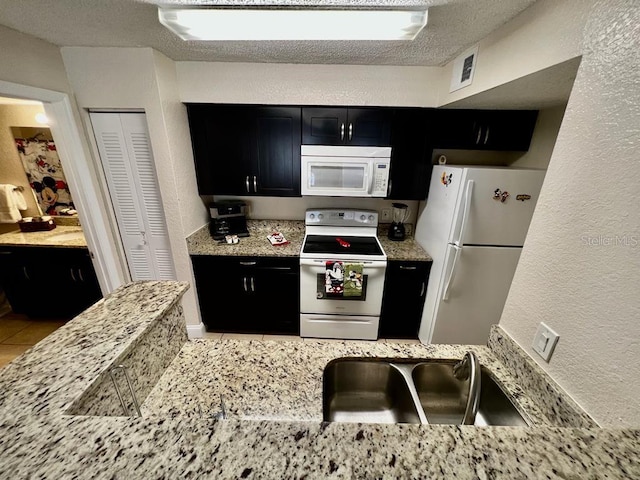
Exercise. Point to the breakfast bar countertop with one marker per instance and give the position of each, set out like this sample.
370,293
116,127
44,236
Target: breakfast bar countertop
256,244
39,438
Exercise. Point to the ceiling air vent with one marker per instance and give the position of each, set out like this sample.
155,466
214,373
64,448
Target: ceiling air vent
463,68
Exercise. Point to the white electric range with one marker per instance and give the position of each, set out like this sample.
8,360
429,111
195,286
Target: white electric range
341,242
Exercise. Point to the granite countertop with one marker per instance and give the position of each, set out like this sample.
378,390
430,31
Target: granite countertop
276,380
73,238
38,440
256,244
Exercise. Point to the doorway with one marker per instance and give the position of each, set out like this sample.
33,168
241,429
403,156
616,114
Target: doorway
82,178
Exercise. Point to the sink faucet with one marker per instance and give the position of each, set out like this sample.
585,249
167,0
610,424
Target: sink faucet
469,368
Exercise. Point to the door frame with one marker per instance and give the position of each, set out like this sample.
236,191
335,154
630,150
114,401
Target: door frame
82,177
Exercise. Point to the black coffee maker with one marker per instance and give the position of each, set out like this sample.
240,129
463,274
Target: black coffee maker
399,215
228,218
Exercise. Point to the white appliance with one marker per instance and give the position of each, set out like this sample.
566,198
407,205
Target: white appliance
473,225
345,171
347,236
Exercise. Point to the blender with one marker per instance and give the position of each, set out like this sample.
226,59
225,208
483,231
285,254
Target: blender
400,214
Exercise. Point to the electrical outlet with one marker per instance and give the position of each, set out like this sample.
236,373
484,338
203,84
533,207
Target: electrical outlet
386,215
545,341
408,229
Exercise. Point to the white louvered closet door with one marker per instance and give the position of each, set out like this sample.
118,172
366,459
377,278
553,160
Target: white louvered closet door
127,160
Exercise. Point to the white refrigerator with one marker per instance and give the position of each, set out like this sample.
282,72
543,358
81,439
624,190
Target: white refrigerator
473,225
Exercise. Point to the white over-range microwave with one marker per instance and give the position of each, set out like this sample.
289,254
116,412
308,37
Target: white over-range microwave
345,171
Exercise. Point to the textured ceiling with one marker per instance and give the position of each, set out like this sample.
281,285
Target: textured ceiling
453,25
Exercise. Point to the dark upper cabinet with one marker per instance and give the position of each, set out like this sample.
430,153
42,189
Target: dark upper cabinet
347,126
221,143
484,129
405,288
276,155
411,148
245,149
254,295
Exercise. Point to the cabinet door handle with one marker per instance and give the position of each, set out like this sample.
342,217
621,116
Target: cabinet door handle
486,135
247,184
80,275
244,281
408,267
73,277
342,131
26,275
248,263
253,285
424,287
255,184
350,131
479,135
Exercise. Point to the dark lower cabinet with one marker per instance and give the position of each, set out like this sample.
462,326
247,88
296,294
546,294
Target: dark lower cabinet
248,294
405,287
48,282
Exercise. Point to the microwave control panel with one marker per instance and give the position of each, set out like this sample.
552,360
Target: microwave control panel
380,179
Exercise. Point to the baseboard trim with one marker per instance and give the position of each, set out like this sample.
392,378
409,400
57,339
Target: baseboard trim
196,331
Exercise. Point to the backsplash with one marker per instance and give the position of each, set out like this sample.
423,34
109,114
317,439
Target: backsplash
293,208
557,405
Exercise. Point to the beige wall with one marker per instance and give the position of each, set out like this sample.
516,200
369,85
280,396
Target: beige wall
265,83
27,60
11,169
139,78
545,34
572,274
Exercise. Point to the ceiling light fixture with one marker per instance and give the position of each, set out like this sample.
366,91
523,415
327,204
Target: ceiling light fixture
272,24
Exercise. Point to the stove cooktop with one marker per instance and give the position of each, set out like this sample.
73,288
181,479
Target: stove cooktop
341,245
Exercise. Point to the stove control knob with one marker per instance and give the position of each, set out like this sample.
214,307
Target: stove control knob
312,216
363,217
371,218
320,216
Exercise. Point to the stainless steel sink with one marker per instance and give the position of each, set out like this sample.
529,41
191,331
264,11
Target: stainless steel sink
364,391
409,391
443,397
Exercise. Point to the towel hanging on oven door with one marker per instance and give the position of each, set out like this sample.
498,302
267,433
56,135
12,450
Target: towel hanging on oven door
334,279
353,277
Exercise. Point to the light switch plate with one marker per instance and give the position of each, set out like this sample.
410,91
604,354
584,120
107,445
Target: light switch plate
545,341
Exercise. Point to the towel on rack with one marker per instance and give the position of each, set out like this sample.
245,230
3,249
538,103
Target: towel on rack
334,278
353,277
11,202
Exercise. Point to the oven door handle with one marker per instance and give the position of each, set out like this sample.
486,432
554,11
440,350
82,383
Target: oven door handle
320,263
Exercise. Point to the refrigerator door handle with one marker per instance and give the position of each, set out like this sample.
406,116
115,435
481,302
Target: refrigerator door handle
452,273
465,213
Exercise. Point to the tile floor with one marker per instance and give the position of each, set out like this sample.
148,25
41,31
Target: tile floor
18,333
289,338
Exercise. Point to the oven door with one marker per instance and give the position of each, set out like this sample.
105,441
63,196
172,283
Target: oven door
315,299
